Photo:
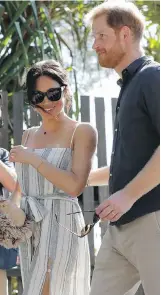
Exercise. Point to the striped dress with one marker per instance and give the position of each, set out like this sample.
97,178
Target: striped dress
68,254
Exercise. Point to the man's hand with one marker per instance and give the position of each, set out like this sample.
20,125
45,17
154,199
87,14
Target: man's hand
115,206
120,202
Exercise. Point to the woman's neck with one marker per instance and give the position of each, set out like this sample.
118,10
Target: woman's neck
54,124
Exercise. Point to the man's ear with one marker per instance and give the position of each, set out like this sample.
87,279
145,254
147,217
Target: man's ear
125,33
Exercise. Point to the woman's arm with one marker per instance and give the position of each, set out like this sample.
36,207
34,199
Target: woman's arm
8,180
72,182
7,172
11,207
16,195
7,177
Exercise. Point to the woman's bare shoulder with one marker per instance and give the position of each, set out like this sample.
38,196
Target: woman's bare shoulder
86,126
86,131
27,132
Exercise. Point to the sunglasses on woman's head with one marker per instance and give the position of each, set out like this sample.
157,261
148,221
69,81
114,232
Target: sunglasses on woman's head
53,94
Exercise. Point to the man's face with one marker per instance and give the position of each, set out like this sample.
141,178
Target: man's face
107,43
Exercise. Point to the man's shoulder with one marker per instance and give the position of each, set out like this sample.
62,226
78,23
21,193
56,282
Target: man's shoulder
149,71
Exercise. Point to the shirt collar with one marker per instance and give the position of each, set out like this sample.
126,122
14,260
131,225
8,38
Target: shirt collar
131,69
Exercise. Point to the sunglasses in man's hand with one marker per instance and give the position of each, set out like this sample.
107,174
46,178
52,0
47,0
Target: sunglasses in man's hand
85,230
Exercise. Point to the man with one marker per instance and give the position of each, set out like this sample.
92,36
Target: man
130,249
7,182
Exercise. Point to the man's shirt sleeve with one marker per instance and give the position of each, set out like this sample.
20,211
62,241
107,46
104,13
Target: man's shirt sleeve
151,95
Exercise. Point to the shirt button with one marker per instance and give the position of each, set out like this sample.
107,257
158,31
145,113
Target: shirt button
116,130
118,108
110,174
113,153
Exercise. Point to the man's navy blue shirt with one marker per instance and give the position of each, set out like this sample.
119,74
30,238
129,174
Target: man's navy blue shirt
136,132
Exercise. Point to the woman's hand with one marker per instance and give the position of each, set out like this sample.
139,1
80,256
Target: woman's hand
11,210
20,154
3,204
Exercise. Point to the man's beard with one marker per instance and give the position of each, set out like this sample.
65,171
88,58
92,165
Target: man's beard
111,59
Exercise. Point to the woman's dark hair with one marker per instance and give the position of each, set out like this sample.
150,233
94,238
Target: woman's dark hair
52,69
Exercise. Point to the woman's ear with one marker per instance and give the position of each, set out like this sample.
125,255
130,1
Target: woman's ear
68,99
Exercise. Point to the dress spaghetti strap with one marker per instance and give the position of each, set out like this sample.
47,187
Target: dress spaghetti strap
72,138
27,135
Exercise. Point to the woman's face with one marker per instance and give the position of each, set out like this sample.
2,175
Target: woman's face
48,109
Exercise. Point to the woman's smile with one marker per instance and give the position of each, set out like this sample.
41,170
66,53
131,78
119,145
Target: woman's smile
48,110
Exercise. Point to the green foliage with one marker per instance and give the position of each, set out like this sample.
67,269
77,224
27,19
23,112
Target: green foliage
30,31
25,29
151,10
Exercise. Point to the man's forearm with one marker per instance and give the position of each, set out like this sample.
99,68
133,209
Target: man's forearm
7,177
99,177
146,179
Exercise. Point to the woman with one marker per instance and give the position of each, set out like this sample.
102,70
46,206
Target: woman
53,164
8,257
